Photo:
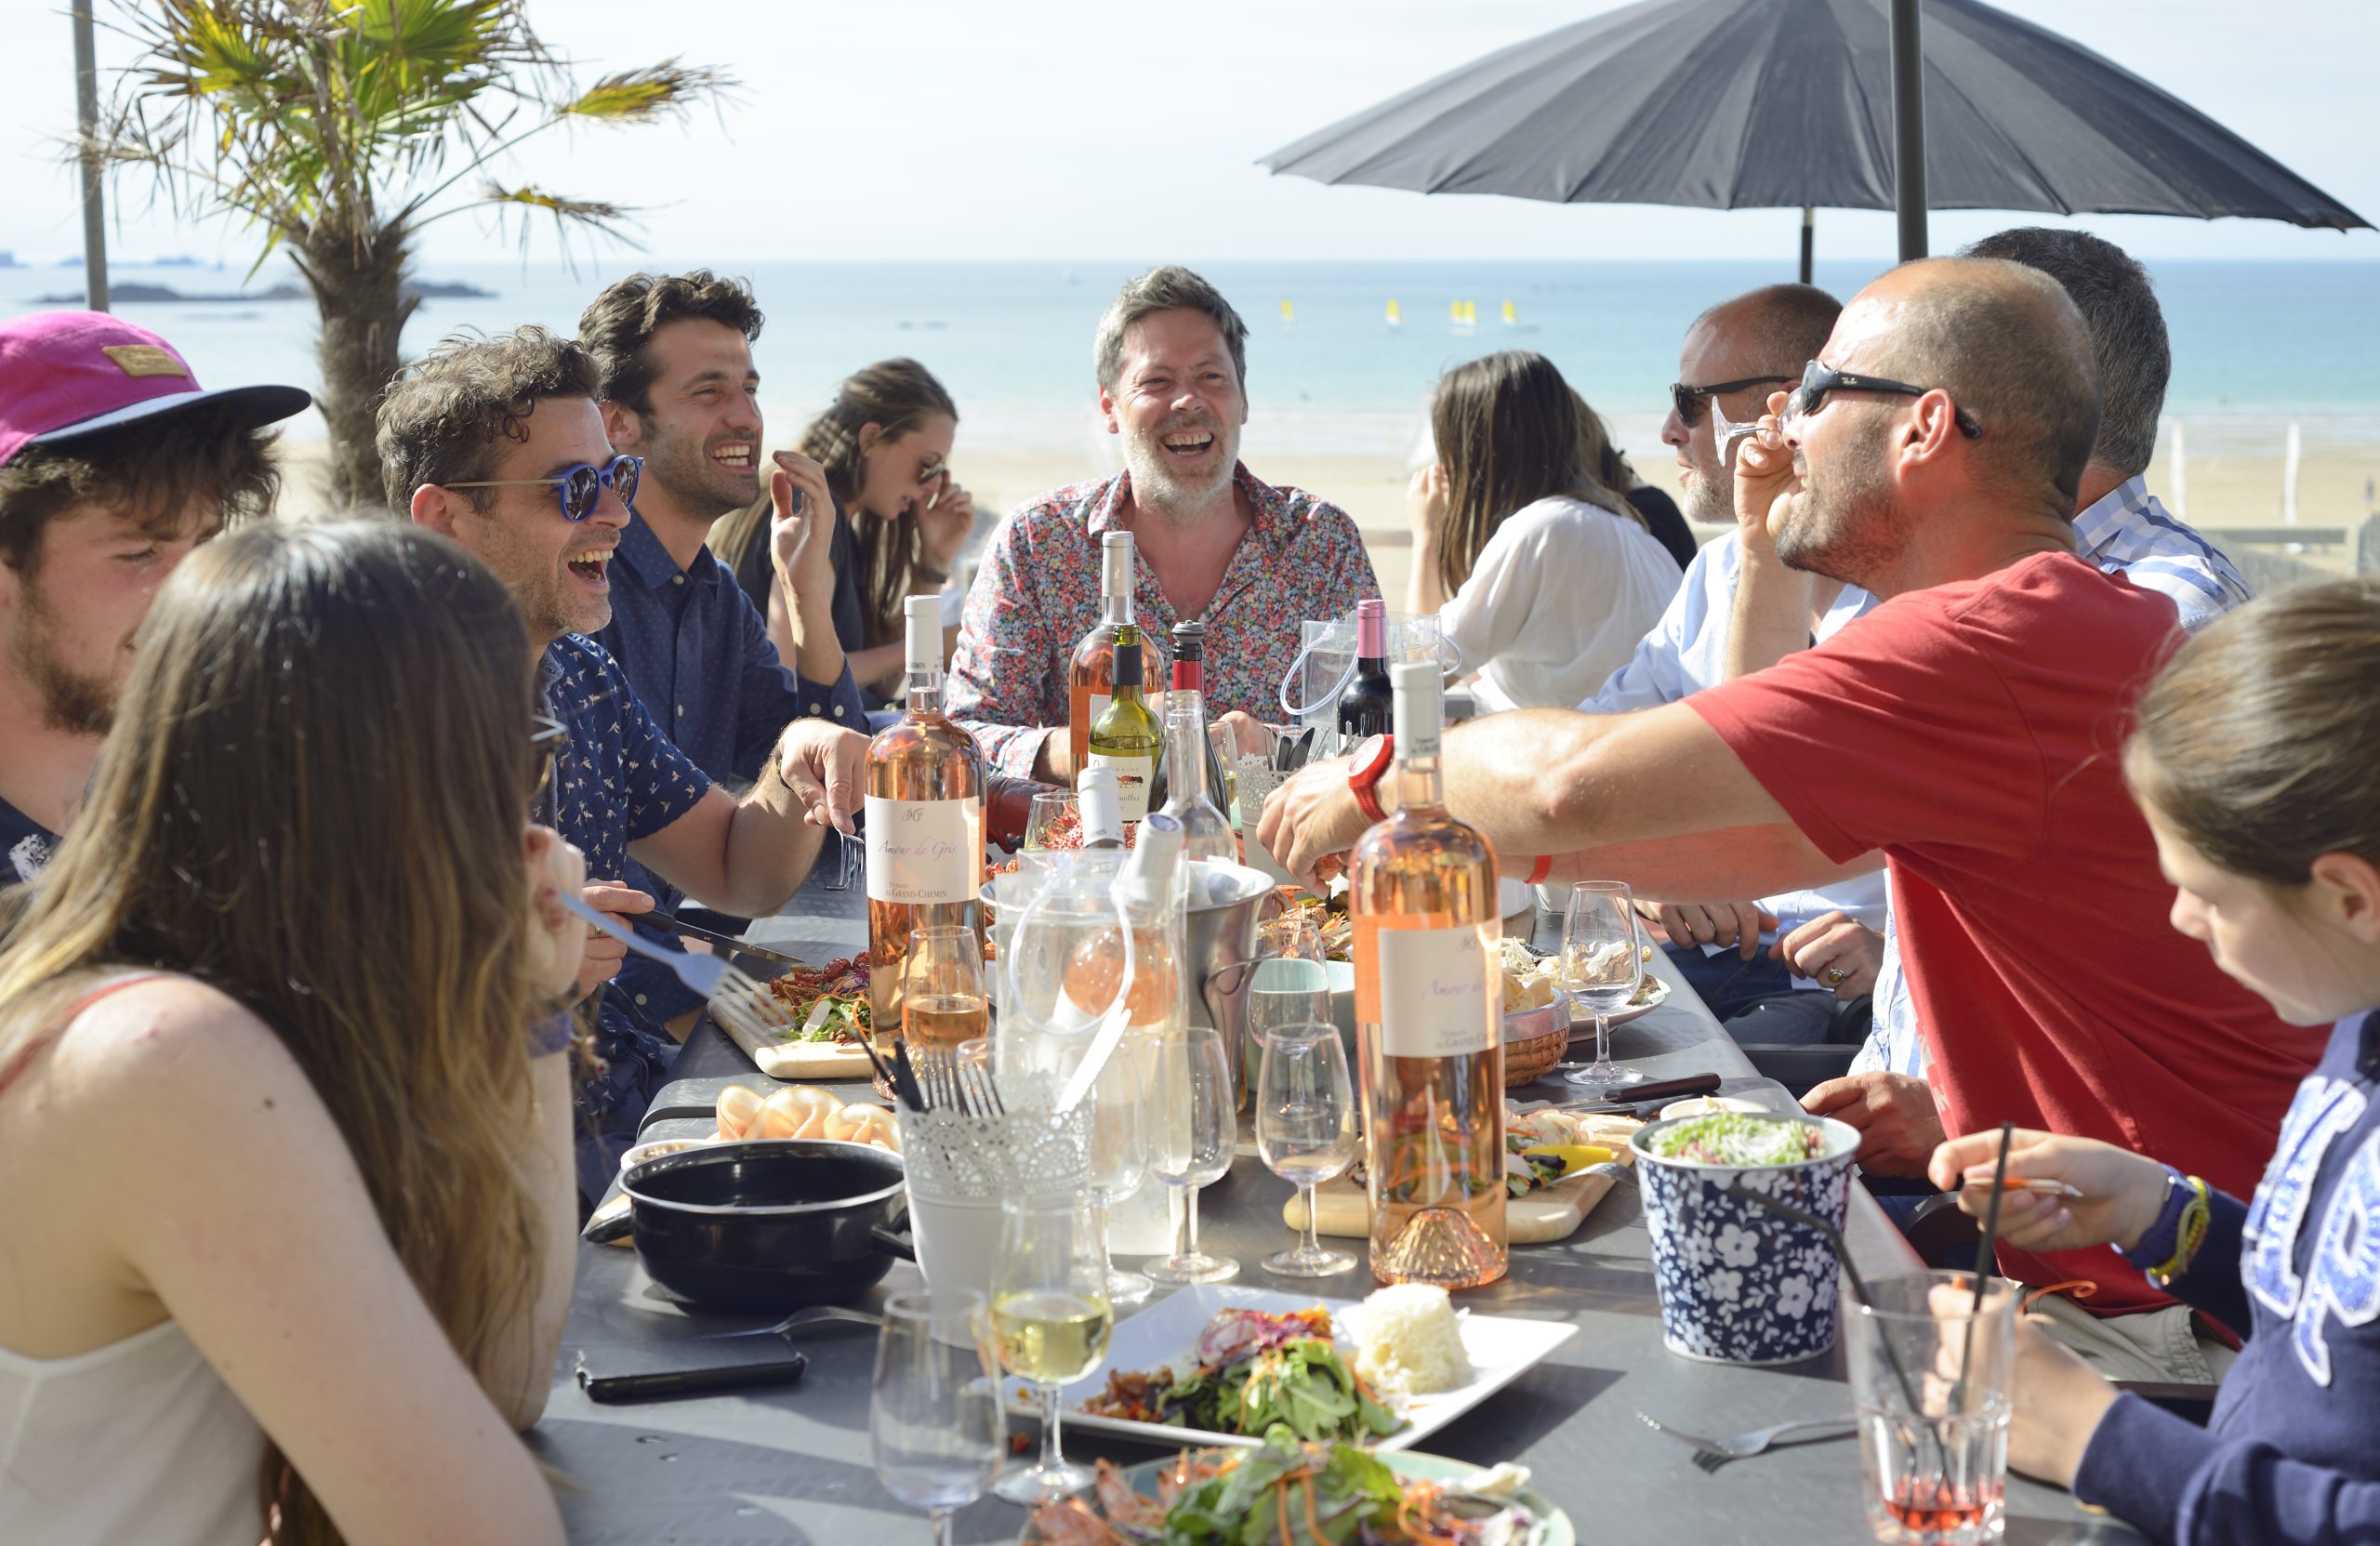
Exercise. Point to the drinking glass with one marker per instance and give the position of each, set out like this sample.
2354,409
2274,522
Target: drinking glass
935,1422
1058,815
1193,1122
1226,744
1119,1147
850,852
942,988
1601,970
1050,1319
1305,1131
1290,984
1929,1382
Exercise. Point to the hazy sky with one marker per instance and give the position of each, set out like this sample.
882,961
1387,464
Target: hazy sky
1057,130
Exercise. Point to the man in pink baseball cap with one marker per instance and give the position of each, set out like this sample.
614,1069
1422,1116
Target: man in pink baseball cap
113,464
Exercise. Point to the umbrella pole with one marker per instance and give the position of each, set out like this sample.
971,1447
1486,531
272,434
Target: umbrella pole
1809,243
1908,129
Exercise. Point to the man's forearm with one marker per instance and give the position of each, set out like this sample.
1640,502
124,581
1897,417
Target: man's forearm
770,846
817,654
1732,863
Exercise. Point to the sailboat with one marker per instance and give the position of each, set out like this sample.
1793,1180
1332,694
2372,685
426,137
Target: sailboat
1465,318
1288,313
1395,317
1512,315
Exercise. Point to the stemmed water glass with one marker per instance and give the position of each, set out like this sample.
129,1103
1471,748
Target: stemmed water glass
1600,969
1193,1122
1305,1131
935,1422
1290,984
1056,814
1050,1317
1119,1148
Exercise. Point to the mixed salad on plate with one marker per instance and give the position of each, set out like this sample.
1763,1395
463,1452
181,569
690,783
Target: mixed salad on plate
1292,1494
1256,1371
825,1003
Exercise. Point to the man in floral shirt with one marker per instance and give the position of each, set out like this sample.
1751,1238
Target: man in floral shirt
1210,541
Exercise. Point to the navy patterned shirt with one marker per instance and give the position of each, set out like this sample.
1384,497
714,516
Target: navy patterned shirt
697,653
619,780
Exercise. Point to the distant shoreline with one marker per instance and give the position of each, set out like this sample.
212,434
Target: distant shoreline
136,294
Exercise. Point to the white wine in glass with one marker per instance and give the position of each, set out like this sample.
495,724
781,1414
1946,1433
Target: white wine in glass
1049,1320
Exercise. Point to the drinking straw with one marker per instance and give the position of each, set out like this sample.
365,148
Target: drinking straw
1858,1290
1983,1264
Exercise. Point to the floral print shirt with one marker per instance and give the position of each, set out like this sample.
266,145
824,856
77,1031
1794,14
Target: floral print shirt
1037,594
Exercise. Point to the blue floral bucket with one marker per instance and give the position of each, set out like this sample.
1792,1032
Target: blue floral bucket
1738,1283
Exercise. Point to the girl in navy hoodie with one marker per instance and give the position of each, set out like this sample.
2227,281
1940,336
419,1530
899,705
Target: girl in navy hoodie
2256,760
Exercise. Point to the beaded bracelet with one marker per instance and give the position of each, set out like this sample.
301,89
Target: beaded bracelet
2196,1215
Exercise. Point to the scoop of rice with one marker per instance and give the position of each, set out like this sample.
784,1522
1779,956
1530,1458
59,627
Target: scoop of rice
1408,1341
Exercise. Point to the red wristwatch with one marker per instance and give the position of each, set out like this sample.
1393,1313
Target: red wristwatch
1371,760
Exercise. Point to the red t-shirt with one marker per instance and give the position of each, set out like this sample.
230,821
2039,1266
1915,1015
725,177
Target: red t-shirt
1972,732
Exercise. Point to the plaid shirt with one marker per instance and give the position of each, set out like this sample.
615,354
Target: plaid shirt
1037,594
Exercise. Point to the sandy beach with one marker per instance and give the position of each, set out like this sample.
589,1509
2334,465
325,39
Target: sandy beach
2234,484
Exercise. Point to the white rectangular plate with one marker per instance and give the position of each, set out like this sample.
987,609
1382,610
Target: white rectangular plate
1501,1348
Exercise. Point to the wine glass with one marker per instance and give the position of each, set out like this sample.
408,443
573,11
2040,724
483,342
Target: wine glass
1305,1129
1050,1319
1055,821
1193,1122
849,853
1119,1148
942,988
1601,970
935,1422
1291,986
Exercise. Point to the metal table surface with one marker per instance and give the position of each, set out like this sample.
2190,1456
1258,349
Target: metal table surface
792,1466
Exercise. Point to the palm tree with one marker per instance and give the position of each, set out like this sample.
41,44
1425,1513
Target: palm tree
340,129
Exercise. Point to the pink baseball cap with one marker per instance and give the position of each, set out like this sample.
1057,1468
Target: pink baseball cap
64,373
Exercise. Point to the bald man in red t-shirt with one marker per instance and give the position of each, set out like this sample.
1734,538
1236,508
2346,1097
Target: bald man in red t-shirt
1967,729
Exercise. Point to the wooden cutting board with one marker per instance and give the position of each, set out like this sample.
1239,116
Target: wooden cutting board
804,1060
1546,1215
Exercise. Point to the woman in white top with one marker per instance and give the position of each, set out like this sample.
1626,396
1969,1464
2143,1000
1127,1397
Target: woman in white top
291,1197
1554,578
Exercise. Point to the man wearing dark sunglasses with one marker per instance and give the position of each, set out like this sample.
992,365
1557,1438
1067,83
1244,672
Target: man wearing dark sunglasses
485,441
1964,729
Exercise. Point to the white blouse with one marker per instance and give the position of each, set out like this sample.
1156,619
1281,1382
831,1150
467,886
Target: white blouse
1556,602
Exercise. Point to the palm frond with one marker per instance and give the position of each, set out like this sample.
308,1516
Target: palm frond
641,95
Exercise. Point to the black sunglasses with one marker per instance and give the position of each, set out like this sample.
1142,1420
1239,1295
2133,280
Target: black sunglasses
579,487
1688,400
1820,379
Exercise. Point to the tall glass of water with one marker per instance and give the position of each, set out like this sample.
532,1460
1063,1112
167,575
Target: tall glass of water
1051,1318
935,1422
1601,970
1305,1131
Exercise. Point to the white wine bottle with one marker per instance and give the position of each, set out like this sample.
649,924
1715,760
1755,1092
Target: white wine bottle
1127,740
1422,893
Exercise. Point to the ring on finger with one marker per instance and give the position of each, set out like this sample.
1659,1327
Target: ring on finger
1835,975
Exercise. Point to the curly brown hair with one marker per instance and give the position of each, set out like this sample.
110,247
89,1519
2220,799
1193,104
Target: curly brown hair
625,316
151,469
445,414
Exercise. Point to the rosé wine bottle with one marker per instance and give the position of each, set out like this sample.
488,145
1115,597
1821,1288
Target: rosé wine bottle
1422,892
925,823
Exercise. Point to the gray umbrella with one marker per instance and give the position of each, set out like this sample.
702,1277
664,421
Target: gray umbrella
1741,104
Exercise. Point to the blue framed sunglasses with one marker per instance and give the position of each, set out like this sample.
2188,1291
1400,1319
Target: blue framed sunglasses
579,488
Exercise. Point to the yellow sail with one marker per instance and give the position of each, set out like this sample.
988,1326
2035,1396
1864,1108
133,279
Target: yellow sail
1511,316
1395,317
1288,312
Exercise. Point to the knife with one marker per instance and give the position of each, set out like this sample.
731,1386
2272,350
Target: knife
1661,1091
725,942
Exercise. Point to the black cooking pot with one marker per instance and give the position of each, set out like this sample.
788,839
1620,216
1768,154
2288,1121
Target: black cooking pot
769,1225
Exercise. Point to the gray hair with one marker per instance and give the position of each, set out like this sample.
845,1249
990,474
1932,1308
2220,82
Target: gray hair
1171,288
2128,343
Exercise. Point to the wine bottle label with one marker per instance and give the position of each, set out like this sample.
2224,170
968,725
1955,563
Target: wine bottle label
1133,776
1430,989
924,849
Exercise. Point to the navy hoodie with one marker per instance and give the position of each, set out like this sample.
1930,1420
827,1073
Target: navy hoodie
2290,1454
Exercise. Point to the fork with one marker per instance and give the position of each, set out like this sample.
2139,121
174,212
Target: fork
847,851
1710,1454
740,1006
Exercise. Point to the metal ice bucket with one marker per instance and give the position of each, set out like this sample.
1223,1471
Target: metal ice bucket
1221,948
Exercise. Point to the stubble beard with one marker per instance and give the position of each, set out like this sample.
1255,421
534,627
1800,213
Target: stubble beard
71,701
1158,487
1844,526
1711,497
696,483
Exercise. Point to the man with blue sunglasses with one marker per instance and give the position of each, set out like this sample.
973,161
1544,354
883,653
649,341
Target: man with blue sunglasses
499,443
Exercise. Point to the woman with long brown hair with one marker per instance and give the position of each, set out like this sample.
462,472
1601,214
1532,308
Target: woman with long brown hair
1540,575
882,450
281,1098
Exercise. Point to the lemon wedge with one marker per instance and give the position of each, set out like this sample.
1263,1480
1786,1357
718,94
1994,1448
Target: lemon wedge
1574,1157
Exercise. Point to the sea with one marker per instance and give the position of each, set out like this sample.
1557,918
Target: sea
2257,345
